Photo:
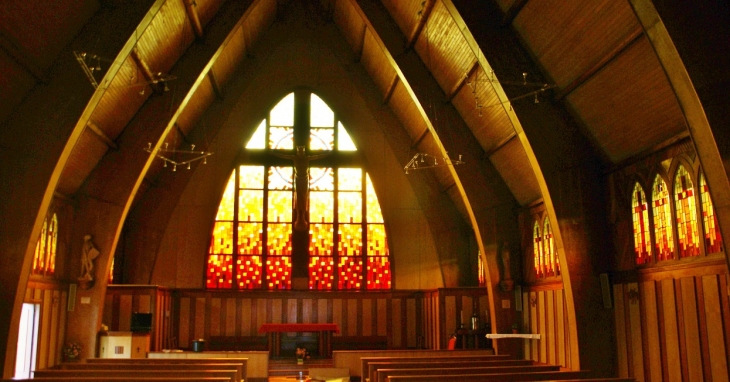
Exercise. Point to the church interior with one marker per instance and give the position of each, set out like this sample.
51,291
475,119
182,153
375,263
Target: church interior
399,172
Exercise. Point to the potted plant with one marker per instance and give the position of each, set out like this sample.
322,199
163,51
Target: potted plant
301,354
71,352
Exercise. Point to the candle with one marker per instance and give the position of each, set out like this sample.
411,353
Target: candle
461,317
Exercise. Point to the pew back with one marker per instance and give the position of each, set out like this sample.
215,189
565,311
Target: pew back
382,375
501,377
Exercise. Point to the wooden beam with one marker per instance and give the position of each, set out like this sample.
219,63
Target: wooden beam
102,135
513,11
682,137
447,188
455,90
22,59
499,145
361,47
214,84
425,13
391,89
149,76
190,6
420,138
632,38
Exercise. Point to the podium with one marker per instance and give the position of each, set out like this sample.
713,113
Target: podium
123,345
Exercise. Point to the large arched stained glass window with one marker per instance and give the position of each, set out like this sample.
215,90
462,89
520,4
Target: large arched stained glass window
713,237
551,264
538,249
684,199
301,202
662,215
44,259
640,214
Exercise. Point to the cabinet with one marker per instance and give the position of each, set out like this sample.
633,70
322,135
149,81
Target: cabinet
123,345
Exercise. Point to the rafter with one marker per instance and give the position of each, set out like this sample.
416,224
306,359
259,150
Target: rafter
99,133
190,6
455,90
420,138
513,11
361,47
425,13
214,84
391,89
682,137
632,38
500,144
22,59
147,73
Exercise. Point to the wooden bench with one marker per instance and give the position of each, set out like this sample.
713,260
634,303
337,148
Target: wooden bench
244,362
135,374
120,379
382,375
455,362
365,361
491,377
237,367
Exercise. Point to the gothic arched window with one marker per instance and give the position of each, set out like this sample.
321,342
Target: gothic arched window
549,255
537,247
300,205
640,214
713,237
684,199
662,214
44,259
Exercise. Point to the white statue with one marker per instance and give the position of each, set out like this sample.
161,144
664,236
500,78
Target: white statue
88,254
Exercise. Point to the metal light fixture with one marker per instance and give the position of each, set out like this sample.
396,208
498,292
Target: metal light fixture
178,157
422,161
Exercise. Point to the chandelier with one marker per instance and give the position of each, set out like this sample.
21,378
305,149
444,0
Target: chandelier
422,161
178,157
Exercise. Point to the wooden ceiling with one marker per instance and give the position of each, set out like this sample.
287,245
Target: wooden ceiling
605,71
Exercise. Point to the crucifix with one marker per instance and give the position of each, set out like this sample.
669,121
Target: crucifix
301,184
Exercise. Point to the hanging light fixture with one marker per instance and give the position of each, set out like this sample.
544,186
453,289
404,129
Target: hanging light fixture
176,157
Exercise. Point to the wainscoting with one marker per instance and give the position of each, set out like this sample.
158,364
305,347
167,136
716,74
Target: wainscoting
544,312
52,297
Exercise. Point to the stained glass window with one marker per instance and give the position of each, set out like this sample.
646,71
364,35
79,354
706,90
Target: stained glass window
538,250
713,237
345,239
551,268
684,199
640,214
662,215
44,258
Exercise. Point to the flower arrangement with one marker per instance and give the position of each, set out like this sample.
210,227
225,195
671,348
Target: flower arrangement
301,353
71,351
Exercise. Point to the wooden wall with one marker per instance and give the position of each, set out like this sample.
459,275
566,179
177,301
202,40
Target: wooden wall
445,309
52,298
673,324
544,312
123,300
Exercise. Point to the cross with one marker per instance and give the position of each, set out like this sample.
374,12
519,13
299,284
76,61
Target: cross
301,184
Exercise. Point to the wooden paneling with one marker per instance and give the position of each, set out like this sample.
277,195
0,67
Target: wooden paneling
376,63
544,313
680,333
51,297
512,164
405,14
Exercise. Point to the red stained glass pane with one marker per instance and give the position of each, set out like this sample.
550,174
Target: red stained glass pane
278,272
378,273
713,237
222,242
549,255
640,214
662,220
249,273
52,240
321,272
279,239
219,273
684,198
250,239
377,241
350,273
349,240
321,239
537,249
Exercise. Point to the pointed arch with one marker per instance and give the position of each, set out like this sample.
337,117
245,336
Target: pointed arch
44,259
550,261
640,215
686,210
538,249
662,219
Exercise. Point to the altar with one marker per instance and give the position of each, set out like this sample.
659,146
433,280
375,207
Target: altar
323,332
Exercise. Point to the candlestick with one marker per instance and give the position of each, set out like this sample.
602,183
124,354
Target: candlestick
461,318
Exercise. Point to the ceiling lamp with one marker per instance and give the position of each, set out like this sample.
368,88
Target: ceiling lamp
422,161
178,157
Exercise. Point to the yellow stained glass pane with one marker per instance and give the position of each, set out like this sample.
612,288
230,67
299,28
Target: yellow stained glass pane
250,205
349,208
320,114
251,177
225,208
258,140
53,239
281,138
687,230
377,241
279,239
537,249
640,213
283,113
321,239
350,240
321,139
222,241
280,207
549,253
662,220
321,207
713,237
250,238
344,142
374,214
321,272
280,178
349,179
321,179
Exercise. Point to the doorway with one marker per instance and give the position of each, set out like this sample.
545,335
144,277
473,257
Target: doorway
27,341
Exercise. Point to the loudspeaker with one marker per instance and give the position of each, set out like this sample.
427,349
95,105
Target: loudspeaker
518,298
606,291
71,303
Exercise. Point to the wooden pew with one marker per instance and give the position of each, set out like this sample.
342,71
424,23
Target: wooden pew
135,374
455,362
351,358
175,361
237,367
120,379
494,377
365,361
382,375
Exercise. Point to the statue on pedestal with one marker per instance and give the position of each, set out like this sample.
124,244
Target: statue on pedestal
506,283
88,254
